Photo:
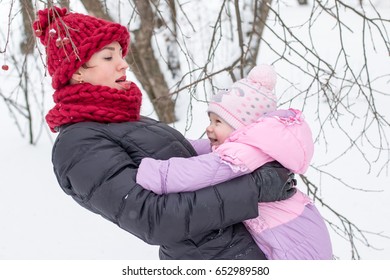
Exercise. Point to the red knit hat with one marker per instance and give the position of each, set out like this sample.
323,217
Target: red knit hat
71,39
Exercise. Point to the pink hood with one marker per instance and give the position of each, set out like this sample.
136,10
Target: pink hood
283,136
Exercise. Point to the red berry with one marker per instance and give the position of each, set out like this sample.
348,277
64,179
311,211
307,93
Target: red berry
38,32
59,42
5,67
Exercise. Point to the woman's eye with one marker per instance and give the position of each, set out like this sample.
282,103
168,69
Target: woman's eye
108,58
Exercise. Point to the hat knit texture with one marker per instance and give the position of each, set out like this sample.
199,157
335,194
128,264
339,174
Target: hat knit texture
71,39
247,99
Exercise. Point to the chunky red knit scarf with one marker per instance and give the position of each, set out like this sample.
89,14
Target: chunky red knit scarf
85,102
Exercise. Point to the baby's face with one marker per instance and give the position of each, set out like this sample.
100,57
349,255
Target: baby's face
218,130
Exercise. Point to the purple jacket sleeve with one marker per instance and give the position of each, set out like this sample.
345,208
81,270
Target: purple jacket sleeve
183,174
201,146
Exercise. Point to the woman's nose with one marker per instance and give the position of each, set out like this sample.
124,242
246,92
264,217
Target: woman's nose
123,64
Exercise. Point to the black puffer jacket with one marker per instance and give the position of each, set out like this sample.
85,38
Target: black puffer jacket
96,164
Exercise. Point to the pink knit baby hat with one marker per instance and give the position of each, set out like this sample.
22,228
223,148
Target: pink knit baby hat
70,39
247,99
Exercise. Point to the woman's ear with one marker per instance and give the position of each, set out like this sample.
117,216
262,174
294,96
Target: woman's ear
77,78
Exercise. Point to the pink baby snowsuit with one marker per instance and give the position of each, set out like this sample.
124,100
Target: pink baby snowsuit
284,230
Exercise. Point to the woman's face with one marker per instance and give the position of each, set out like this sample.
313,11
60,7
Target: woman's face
106,67
218,130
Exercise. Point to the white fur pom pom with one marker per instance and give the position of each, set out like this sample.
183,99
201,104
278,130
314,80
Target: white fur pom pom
265,75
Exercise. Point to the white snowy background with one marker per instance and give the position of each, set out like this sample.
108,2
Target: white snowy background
38,221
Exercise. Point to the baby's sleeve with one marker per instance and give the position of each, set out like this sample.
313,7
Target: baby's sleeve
184,174
201,146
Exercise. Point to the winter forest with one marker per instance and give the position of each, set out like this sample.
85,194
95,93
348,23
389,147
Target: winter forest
333,63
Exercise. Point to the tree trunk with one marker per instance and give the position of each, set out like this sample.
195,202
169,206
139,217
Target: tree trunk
172,49
64,3
28,42
150,68
260,12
